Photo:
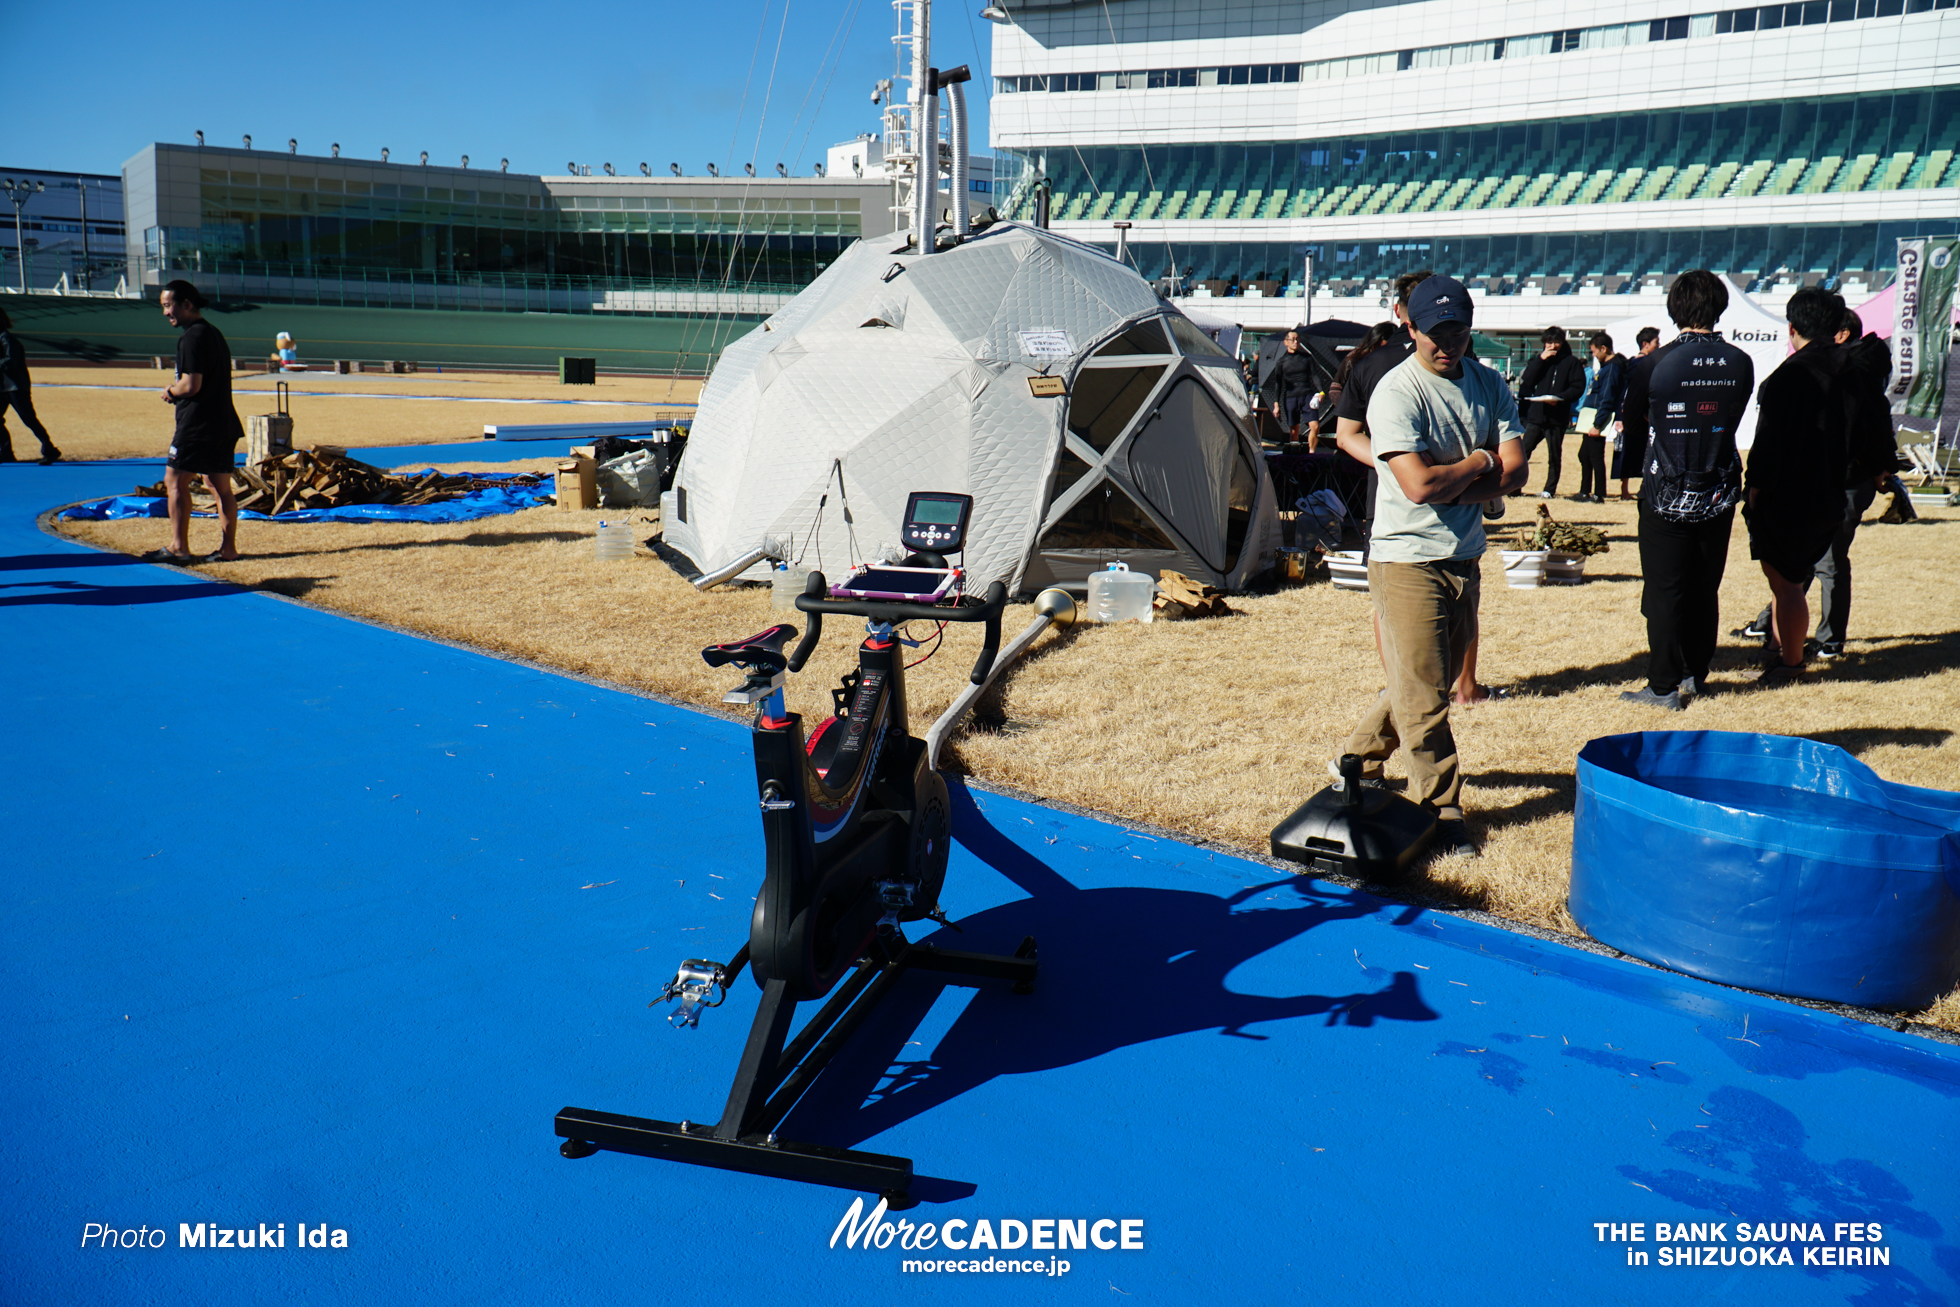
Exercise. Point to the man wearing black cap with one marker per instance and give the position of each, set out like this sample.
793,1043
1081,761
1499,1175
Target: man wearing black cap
1445,430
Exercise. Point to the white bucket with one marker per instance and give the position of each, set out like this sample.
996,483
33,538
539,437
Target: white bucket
1349,569
1528,569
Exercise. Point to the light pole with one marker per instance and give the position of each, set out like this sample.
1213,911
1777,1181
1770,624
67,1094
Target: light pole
80,185
87,258
18,191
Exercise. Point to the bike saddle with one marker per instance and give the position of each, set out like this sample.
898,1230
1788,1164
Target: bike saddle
762,651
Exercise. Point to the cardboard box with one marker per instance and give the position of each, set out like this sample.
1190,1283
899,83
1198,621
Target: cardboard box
578,483
268,435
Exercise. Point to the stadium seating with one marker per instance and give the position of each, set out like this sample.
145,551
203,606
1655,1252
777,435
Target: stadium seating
1724,153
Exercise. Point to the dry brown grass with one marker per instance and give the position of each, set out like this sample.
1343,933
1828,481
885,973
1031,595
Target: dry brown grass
1215,728
129,419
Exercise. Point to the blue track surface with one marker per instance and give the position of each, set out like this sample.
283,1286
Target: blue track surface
309,922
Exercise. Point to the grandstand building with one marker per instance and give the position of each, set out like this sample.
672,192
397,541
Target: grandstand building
280,226
66,234
1565,160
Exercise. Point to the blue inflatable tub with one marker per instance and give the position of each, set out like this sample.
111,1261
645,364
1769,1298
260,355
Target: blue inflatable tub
1769,862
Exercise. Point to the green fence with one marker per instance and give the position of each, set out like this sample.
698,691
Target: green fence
52,328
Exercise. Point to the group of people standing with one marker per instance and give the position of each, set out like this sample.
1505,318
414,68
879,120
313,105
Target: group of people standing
1446,441
1553,382
1823,446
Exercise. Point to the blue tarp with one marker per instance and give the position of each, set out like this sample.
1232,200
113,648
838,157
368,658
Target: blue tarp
1770,862
488,502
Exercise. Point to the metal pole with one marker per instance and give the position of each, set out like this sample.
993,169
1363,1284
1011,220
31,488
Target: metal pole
1309,318
20,241
82,186
925,173
928,192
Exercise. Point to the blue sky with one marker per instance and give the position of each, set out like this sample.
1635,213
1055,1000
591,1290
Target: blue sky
540,84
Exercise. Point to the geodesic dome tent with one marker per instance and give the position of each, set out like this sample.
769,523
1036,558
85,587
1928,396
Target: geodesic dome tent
893,373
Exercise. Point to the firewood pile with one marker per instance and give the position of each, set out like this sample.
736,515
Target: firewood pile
327,478
1563,537
1179,596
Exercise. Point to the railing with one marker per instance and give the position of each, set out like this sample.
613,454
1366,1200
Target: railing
492,292
55,271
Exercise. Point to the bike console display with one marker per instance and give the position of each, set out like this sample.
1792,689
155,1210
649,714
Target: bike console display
935,521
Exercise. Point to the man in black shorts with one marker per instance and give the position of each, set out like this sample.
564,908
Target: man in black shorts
1867,368
1290,389
208,430
1799,467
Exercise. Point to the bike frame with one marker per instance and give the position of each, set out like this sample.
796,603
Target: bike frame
854,847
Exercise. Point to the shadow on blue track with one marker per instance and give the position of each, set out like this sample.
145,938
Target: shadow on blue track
1758,1147
1150,963
110,596
64,561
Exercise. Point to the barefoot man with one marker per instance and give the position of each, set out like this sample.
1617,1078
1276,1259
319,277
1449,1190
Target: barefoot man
208,430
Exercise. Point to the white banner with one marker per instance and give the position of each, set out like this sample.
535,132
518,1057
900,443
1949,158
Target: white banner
1922,307
1906,354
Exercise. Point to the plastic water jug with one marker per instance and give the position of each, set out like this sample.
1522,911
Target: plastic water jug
615,541
785,583
1116,594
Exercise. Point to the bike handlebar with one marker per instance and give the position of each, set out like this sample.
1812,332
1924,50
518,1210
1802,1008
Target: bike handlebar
816,602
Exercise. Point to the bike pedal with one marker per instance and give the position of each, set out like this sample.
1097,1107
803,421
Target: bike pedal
696,979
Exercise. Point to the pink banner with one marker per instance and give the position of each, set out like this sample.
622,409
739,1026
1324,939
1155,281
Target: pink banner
1876,313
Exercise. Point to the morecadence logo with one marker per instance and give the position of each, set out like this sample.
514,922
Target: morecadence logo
871,1230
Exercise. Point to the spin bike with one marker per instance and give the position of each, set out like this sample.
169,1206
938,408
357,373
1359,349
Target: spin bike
856,831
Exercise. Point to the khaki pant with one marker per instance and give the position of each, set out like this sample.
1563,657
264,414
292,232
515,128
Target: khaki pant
1428,617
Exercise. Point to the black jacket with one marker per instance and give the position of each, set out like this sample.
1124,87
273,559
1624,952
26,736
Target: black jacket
1562,375
13,364
1807,413
1609,388
1683,404
1874,450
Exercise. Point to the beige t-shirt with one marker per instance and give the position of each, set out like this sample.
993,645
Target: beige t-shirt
1415,411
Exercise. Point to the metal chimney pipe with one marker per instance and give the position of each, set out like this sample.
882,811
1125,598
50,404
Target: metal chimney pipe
956,122
925,194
